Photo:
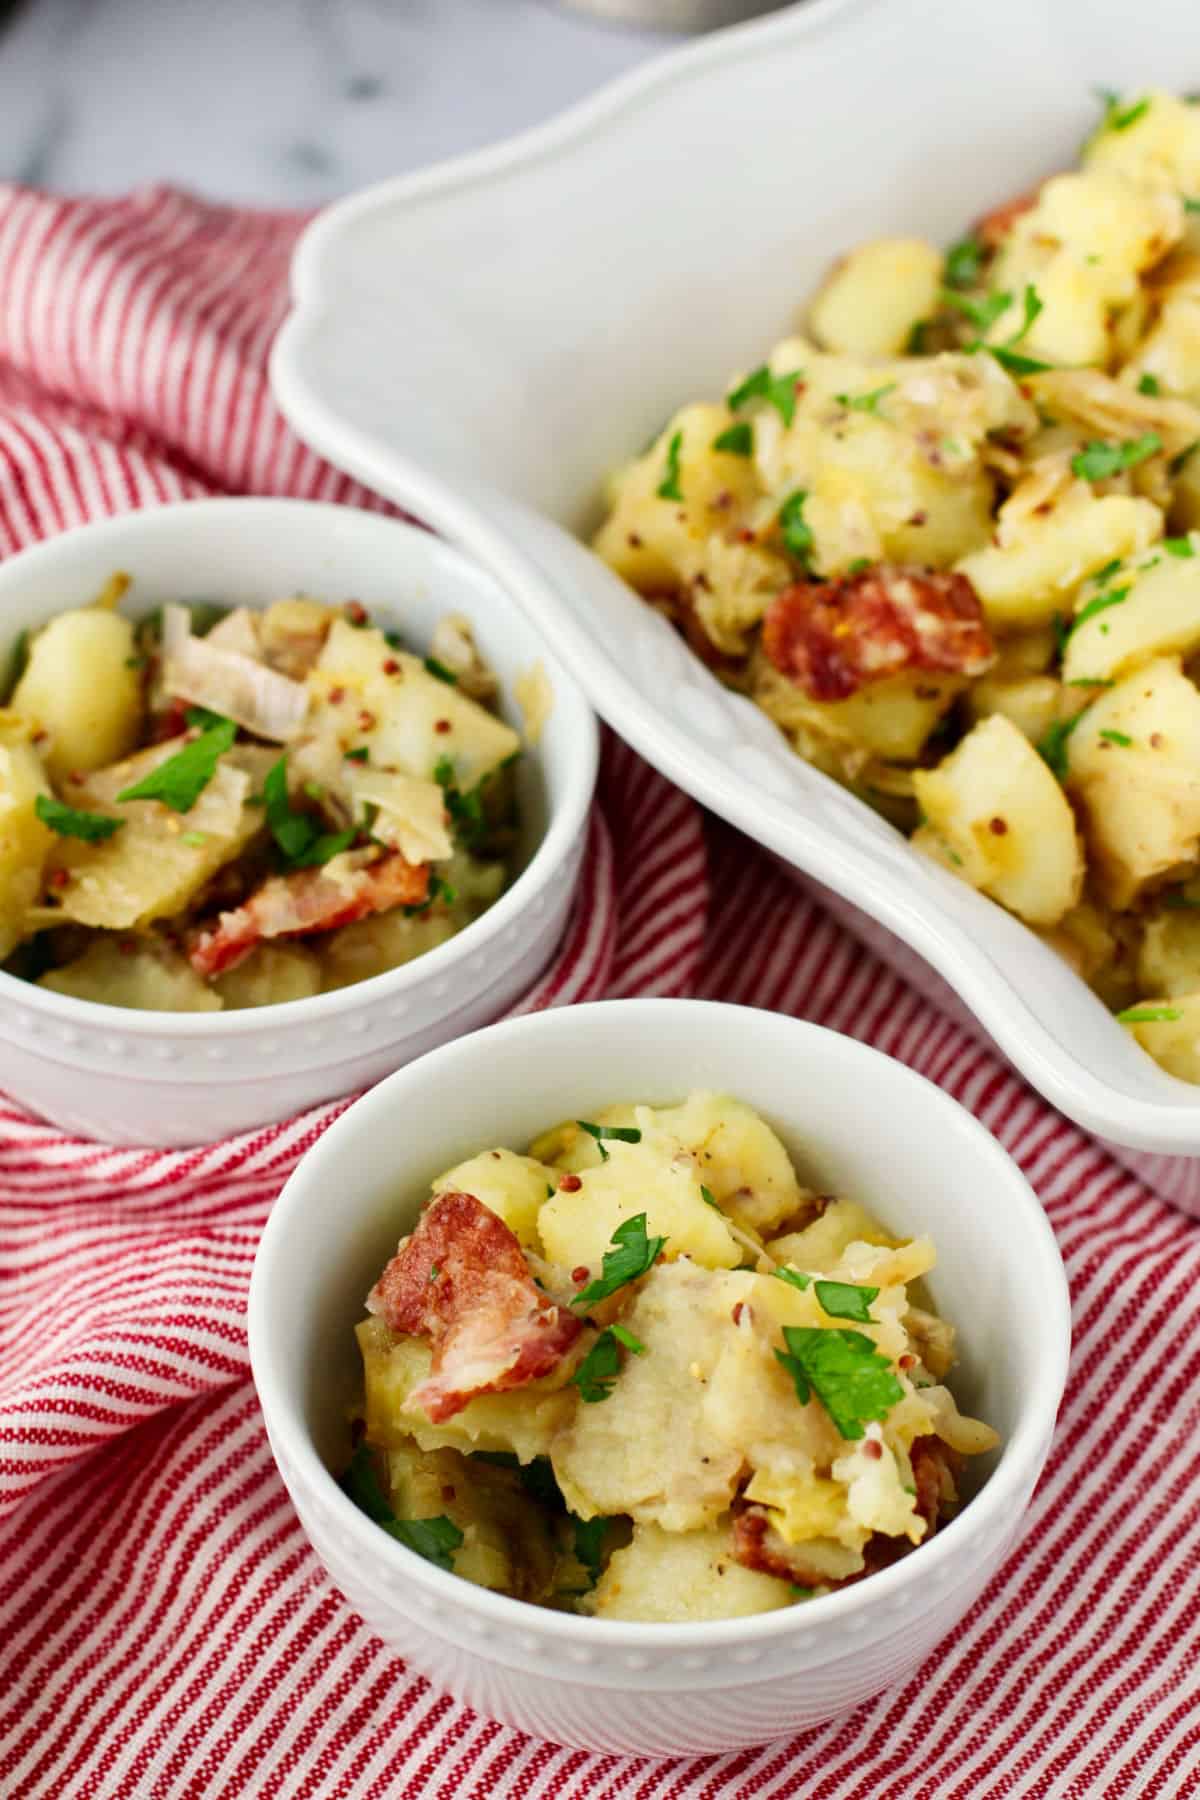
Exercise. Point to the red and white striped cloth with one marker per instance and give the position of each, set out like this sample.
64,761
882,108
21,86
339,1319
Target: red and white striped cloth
166,1631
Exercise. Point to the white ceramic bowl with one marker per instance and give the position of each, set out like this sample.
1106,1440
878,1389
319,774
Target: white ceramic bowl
855,1121
589,277
164,1079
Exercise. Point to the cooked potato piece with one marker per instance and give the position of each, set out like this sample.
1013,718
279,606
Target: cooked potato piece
1169,962
144,974
513,1187
1102,947
384,941
652,1177
1037,564
684,1576
523,1422
742,1162
1159,616
271,975
875,295
357,697
1157,148
891,718
1134,771
82,687
24,841
996,810
1173,1039
1030,702
820,1246
508,1544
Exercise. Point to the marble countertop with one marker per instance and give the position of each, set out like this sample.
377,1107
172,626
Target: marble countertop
281,102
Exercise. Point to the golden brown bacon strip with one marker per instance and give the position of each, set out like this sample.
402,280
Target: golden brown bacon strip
305,901
832,637
462,1282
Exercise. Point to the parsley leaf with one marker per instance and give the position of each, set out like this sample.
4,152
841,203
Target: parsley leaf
981,313
1148,1015
626,1338
964,263
1091,681
599,1369
360,755
738,440
435,1539
917,338
1118,117
794,1278
618,1134
68,821
1013,361
1116,737
1097,461
778,391
867,403
1179,546
1052,747
18,660
180,781
797,535
440,671
465,809
843,1300
669,488
1148,384
1032,305
709,1198
1097,604
589,1545
850,1378
631,1256
298,835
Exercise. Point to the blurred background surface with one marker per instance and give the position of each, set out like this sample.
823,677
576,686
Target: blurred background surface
283,102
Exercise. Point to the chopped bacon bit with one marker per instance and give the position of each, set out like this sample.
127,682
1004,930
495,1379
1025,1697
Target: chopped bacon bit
569,1184
490,1327
447,1491
831,638
305,901
995,226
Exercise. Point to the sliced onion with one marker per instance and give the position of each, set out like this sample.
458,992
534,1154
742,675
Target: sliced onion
412,813
227,682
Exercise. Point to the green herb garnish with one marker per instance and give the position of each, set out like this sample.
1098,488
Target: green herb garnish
917,338
618,1134
625,1337
1179,546
631,1256
69,821
1097,461
1031,307
1097,604
853,1382
797,535
1149,1015
599,1369
843,1300
982,314
360,755
440,671
18,662
778,391
737,440
709,1198
964,263
1116,737
669,488
794,1278
866,403
1148,384
1052,747
589,1545
1090,681
1118,117
435,1539
299,837
180,781
1175,466
1013,361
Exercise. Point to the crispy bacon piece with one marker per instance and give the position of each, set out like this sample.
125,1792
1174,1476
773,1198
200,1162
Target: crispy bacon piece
935,1467
461,1280
308,900
995,226
832,637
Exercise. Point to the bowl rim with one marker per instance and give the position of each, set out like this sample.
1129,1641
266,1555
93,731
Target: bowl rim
1019,1456
567,820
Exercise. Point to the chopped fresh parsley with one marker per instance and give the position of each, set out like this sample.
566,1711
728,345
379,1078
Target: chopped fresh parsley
794,1278
853,1382
737,440
18,661
1148,384
858,565
1097,604
669,488
298,836
614,1134
1149,1015
589,1545
1116,737
1097,461
867,403
442,673
1031,305
626,1338
802,1593
1013,362
982,314
778,391
964,263
631,1256
1118,117
1052,746
1179,546
917,338
69,821
180,781
1091,681
599,1369
843,1300
708,1197
359,755
435,1539
1110,568
1189,205
1175,466
797,535
194,839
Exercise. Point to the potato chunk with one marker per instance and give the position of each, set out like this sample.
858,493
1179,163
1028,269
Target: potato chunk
1159,616
508,1544
513,1187
271,975
146,975
820,1246
742,1162
1174,1039
24,841
997,814
684,1576
870,302
82,688
1134,770
655,1177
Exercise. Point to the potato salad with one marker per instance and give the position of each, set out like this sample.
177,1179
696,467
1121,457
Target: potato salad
641,1372
948,538
216,808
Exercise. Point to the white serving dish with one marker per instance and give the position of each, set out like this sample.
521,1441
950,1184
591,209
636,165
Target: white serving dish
661,1689
484,340
169,1079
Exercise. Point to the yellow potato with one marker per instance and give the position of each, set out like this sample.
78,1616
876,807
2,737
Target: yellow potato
684,1576
146,975
1159,616
874,296
24,841
83,689
513,1187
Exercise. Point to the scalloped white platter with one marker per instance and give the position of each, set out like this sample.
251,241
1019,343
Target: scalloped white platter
483,341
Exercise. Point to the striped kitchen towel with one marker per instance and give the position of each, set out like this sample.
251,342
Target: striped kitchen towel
166,1631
